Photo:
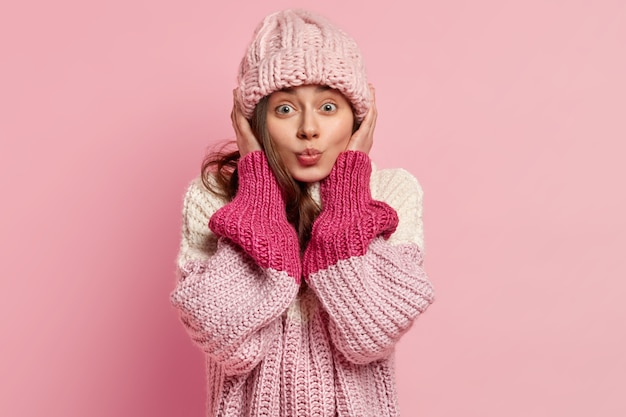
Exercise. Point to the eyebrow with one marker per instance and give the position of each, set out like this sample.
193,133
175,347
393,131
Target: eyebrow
291,90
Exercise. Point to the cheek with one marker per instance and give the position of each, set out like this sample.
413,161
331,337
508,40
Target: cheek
276,136
343,133
280,147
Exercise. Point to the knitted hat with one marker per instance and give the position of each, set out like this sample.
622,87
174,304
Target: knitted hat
296,47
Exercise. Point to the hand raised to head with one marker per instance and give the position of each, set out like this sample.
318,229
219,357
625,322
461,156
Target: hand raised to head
246,141
363,139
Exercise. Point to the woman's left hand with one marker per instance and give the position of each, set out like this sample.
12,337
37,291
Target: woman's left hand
363,139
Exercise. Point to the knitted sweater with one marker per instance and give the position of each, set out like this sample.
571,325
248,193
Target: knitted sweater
328,350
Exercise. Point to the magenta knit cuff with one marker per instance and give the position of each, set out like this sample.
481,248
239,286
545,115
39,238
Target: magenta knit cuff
350,218
256,219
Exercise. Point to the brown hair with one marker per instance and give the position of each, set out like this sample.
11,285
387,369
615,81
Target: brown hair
301,209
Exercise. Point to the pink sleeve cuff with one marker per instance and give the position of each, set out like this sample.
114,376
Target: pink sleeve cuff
350,218
256,219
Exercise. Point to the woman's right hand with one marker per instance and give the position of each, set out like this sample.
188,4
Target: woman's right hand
246,141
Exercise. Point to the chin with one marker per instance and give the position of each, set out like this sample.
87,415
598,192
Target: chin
310,175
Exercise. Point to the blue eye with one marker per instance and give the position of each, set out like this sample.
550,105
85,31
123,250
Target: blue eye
329,107
284,109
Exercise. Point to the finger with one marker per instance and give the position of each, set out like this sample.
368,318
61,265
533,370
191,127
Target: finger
233,114
373,108
369,121
246,140
236,122
240,123
244,128
363,138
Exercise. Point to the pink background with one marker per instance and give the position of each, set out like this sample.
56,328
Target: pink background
511,114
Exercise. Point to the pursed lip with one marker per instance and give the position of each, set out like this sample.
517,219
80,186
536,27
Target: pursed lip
309,157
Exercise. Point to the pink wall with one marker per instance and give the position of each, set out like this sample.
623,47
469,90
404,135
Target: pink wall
511,114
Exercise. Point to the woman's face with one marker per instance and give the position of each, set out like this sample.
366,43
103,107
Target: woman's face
309,126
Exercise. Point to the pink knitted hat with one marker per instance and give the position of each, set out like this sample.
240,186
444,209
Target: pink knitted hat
297,47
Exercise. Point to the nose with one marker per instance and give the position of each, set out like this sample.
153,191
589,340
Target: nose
308,128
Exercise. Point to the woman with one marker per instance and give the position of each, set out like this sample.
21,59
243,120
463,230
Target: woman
310,268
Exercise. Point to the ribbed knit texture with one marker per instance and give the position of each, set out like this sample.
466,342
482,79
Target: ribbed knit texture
373,299
297,47
328,350
350,218
256,219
